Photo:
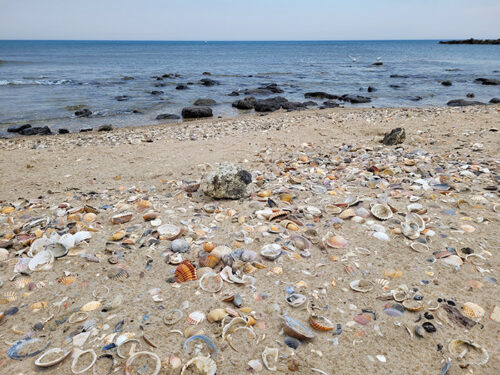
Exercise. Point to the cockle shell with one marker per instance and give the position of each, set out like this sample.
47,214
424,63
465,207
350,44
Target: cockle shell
220,251
320,323
413,305
196,317
209,260
185,272
8,297
410,230
208,246
21,282
278,215
271,251
204,365
381,211
362,286
118,273
417,219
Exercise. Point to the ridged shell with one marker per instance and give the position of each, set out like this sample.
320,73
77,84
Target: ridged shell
66,280
209,260
185,272
381,211
118,273
21,282
383,283
9,296
320,323
196,317
204,365
473,310
278,215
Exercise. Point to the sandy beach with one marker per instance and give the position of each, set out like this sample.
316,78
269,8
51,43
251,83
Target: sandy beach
326,168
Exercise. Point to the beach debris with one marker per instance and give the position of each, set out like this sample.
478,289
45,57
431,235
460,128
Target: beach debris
134,356
60,354
227,181
468,352
268,355
204,365
394,137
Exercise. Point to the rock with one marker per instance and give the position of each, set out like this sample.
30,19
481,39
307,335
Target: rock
495,101
272,88
234,93
398,76
470,95
63,131
181,87
395,137
378,63
156,92
227,181
414,98
37,130
310,103
85,130
122,98
105,128
463,103
329,104
487,81
180,246
371,89
269,105
127,78
471,41
395,86
168,75
246,103
168,116
205,102
446,83
206,73
355,99
320,95
160,84
83,113
197,112
293,106
209,82
18,128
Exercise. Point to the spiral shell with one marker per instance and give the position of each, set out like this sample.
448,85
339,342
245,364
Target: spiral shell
209,260
185,272
320,323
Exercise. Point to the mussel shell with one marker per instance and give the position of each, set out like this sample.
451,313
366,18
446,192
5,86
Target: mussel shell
292,342
13,351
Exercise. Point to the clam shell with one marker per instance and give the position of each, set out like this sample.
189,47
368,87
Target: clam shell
275,228
211,282
173,316
118,273
473,310
77,357
410,230
66,280
463,349
296,300
419,247
185,272
209,260
204,365
169,231
320,323
294,328
413,305
248,255
122,218
347,213
333,209
362,286
417,219
4,255
271,251
78,317
381,211
337,242
222,250
58,249
216,315
91,306
195,318
62,355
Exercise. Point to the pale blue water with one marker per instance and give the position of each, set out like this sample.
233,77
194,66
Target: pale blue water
40,79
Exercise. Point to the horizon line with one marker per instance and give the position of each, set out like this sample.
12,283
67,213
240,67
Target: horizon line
230,40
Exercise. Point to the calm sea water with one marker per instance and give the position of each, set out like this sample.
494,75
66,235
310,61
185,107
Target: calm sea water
42,81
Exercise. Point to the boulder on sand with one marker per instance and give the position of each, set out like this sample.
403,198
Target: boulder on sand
394,137
197,112
37,130
205,102
246,103
167,116
227,181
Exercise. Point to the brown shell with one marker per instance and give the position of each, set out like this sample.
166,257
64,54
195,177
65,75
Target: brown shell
320,323
118,273
209,260
278,215
66,280
185,272
208,246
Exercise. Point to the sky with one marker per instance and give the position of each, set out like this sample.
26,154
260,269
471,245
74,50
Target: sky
249,19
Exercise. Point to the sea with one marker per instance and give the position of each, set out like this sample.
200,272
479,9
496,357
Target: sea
45,82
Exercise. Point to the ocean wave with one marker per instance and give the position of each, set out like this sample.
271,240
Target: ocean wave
42,82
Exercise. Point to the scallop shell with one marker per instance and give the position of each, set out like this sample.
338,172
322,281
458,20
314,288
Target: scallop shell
383,283
118,273
209,260
294,328
173,316
91,306
271,251
381,211
461,348
320,323
8,297
296,300
196,317
211,282
66,280
337,242
169,231
216,315
185,272
362,286
473,310
58,351
204,365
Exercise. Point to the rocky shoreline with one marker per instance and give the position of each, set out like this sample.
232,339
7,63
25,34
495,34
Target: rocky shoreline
471,41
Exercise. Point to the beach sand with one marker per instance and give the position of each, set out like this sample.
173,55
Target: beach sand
298,151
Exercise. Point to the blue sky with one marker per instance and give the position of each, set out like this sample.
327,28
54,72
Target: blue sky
249,20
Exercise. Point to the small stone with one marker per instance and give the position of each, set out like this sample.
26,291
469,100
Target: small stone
180,246
105,128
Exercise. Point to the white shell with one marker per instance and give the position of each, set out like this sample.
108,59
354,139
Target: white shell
81,236
77,357
271,251
215,276
362,286
67,240
204,365
270,352
381,236
64,353
43,261
381,211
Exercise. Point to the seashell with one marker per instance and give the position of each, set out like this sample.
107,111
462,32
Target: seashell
239,236
169,231
419,247
38,245
381,211
290,225
467,228
191,331
276,229
208,246
381,236
300,242
114,303
362,286
62,354
173,316
415,207
118,235
271,251
211,282
185,272
175,258
21,282
278,215
410,230
294,328
333,209
67,240
462,348
473,310
220,251
400,293
133,357
58,249
118,273
14,350
296,300
42,261
248,255
320,323
216,315
174,361
292,342
78,317
122,218
180,246
315,211
66,280
347,213
209,260
383,283
8,297
195,318
39,305
270,353
4,255
452,260
417,219
255,365
204,365
150,216
91,306
413,305
337,242
81,236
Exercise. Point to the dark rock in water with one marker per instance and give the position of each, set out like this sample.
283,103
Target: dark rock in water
181,87
463,103
246,103
105,128
63,131
414,98
398,76
18,128
168,116
197,112
156,92
206,73
395,137
395,86
209,82
310,103
137,111
269,105
85,130
83,113
378,63
487,81
320,95
168,75
329,104
205,102
355,99
234,93
371,89
160,84
227,181
127,78
495,101
470,95
446,83
272,88
122,98
471,41
293,106
37,130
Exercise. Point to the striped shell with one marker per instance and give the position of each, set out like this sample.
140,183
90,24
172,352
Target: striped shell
473,310
118,273
196,317
9,296
320,323
21,282
66,280
383,283
381,211
209,260
278,215
185,272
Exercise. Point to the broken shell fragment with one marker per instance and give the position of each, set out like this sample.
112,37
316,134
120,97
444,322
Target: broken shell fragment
296,300
134,356
42,261
468,352
77,357
216,315
91,306
362,285
381,211
211,282
473,310
270,354
413,305
204,365
14,350
172,317
122,218
320,323
196,317
206,340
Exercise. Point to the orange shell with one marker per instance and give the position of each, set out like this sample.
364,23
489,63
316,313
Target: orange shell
320,323
209,261
185,272
66,280
250,321
208,246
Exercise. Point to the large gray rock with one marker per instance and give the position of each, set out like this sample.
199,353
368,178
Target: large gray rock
227,181
395,137
463,103
197,112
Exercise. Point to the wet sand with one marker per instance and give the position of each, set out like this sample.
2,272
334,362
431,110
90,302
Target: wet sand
338,149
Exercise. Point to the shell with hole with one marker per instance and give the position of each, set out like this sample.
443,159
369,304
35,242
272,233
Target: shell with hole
381,211
270,353
60,355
